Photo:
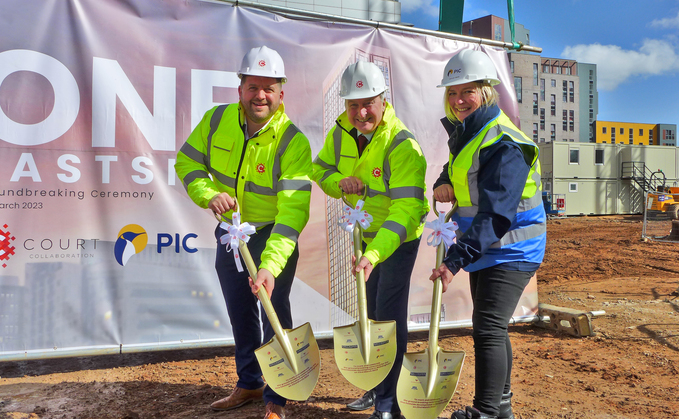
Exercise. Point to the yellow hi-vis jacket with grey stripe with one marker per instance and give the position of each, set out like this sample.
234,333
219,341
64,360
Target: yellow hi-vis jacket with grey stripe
525,240
392,166
270,175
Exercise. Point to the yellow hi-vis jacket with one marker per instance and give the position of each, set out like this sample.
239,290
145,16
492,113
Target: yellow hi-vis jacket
392,167
269,174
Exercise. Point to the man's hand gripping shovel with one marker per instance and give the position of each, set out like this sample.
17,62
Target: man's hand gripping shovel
429,378
365,350
291,360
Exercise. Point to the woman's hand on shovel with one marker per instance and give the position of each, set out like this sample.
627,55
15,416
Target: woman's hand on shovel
265,278
444,273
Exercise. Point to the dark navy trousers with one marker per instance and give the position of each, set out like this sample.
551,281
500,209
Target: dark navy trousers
387,292
244,313
495,294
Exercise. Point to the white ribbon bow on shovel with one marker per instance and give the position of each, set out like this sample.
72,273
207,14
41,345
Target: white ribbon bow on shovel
235,232
355,215
442,231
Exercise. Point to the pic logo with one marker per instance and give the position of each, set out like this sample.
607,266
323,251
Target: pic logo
132,239
6,248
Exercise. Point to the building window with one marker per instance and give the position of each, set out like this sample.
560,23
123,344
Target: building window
498,32
599,156
511,66
641,132
535,103
622,130
553,82
571,121
545,68
631,136
552,130
535,74
574,156
542,90
650,137
564,120
565,91
558,70
542,140
542,119
552,99
571,91
517,86
535,132
603,130
572,187
612,135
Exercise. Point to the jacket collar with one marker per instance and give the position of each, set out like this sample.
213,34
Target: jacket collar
460,133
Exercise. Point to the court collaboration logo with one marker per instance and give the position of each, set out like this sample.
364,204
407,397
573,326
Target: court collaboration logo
132,239
6,248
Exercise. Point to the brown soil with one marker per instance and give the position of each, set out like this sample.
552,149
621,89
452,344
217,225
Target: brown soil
629,369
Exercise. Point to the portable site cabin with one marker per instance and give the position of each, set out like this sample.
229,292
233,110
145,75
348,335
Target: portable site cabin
599,179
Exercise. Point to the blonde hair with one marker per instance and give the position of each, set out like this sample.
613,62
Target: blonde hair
489,97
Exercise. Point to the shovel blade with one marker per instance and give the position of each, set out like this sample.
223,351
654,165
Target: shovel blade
365,373
413,383
278,371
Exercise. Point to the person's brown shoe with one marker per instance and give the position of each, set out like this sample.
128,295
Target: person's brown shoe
274,411
238,398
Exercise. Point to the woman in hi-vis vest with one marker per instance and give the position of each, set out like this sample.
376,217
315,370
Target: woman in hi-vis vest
493,173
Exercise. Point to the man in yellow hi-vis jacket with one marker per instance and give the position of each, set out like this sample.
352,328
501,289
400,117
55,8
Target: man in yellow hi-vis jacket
251,151
371,148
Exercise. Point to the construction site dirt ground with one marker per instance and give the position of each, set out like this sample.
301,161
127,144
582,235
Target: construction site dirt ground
629,369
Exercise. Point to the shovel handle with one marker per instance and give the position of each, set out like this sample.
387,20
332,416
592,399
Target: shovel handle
437,293
361,298
280,333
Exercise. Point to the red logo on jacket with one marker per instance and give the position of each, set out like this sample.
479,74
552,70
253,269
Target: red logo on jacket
377,172
260,168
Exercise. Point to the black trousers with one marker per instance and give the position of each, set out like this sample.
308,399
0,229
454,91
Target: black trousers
244,313
387,293
495,294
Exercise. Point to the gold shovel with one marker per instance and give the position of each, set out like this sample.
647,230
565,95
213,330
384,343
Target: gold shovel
365,350
291,360
428,378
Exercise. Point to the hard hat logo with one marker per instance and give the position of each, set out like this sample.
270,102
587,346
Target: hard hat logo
359,84
262,63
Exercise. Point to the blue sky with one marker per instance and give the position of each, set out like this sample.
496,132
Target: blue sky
635,45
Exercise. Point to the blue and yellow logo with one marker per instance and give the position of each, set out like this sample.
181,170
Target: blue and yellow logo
132,239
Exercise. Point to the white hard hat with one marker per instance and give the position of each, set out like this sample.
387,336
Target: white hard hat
262,61
468,66
362,80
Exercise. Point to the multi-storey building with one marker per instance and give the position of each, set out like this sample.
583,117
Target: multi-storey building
548,93
557,97
609,132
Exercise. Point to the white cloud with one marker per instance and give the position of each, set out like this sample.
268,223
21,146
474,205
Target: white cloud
430,7
668,22
616,65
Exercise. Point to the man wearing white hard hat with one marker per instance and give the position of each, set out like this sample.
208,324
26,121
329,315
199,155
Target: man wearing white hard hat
370,148
251,152
493,173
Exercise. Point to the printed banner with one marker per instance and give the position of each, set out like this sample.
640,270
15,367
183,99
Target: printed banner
100,245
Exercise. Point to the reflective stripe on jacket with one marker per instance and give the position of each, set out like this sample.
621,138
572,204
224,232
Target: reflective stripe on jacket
269,174
525,239
393,168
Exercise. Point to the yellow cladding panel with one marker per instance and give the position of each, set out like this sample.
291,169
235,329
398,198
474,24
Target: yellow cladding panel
610,132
